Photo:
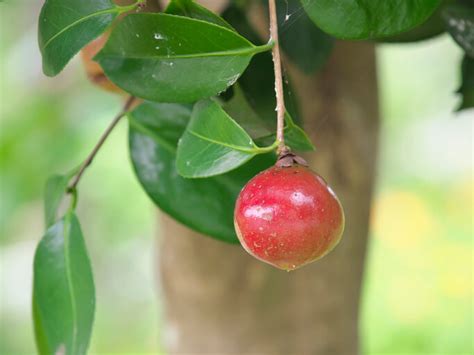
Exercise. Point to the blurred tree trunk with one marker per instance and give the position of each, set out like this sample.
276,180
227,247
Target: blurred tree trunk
219,300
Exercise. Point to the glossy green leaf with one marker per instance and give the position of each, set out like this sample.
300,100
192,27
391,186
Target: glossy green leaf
205,205
168,58
240,110
459,20
190,8
55,189
213,143
368,19
432,27
65,26
467,86
63,290
304,43
257,82
295,137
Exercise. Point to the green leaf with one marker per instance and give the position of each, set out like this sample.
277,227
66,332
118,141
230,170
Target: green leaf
213,143
433,27
304,43
168,58
205,205
63,290
257,82
55,189
368,19
65,26
242,112
189,8
467,86
459,20
295,137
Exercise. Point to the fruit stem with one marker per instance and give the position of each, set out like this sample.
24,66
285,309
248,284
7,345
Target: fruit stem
280,100
103,138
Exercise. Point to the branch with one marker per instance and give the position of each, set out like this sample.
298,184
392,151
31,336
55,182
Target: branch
280,107
99,144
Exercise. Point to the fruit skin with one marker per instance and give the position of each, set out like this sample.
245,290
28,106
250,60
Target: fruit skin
288,217
93,69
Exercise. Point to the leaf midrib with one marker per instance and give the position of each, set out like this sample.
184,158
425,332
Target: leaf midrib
77,22
235,52
242,149
72,297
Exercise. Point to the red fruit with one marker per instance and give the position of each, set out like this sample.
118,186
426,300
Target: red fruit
288,216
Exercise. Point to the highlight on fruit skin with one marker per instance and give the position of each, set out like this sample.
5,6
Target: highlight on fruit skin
93,69
287,216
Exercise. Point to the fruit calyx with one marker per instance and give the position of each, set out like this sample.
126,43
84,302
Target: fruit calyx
287,159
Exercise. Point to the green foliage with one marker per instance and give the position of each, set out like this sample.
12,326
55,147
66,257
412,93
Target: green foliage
295,137
189,8
213,143
63,290
256,82
467,85
243,113
55,188
368,19
261,130
65,26
304,43
459,19
432,27
205,205
192,151
166,58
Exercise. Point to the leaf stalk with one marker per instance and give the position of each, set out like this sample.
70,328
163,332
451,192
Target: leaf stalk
128,104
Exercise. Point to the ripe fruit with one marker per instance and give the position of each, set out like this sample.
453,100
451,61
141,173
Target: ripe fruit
94,71
287,215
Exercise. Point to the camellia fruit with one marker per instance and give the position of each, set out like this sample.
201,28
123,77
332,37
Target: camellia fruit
287,216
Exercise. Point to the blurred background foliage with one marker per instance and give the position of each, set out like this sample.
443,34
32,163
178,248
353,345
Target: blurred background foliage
419,280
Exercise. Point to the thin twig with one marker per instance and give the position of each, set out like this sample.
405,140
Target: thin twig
101,141
280,107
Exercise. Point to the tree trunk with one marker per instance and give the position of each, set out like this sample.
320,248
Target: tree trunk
219,300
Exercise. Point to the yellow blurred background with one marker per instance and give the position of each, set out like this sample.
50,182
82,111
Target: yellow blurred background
419,274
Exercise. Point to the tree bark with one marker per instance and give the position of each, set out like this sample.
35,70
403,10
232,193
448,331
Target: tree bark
219,300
